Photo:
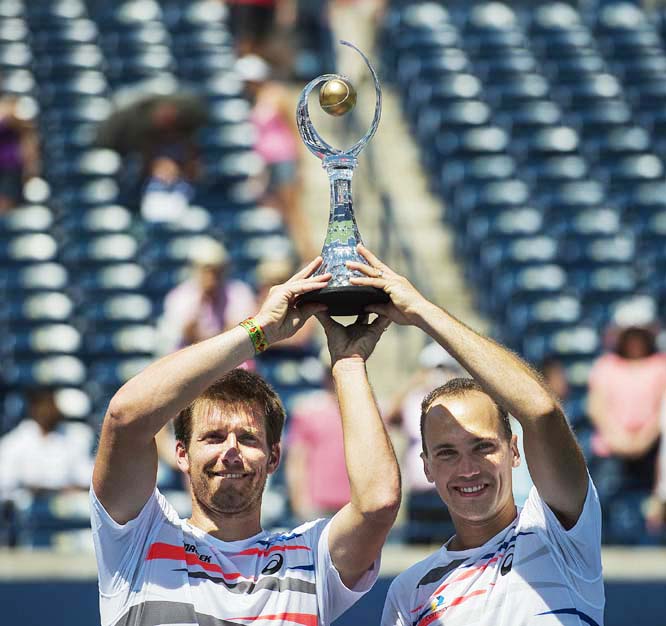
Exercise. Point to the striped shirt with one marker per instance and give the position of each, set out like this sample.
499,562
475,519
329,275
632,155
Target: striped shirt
159,570
534,572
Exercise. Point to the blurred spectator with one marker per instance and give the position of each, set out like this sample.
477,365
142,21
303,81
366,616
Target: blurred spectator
278,143
316,473
44,453
170,149
171,164
253,23
208,302
626,389
19,152
555,376
161,131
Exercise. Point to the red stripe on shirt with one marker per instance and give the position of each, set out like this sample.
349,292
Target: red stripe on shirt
306,619
260,552
428,619
461,599
467,574
177,553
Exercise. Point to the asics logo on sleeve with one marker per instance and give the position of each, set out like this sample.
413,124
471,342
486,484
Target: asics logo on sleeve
274,565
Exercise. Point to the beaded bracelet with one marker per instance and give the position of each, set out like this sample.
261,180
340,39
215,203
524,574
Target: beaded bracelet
256,333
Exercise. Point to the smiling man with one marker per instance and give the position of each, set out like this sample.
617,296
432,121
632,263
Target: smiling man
219,567
469,453
505,566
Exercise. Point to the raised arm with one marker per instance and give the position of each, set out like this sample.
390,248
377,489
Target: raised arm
358,531
555,461
126,465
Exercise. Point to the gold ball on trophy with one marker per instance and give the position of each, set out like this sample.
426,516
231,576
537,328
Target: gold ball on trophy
337,96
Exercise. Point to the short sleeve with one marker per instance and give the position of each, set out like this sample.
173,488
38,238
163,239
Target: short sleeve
333,596
119,548
579,548
392,614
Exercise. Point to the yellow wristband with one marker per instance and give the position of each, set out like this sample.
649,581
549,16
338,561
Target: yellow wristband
256,334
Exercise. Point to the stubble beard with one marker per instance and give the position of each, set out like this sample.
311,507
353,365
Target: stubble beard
229,500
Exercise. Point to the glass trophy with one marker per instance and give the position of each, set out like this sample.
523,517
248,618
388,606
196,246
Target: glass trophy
342,236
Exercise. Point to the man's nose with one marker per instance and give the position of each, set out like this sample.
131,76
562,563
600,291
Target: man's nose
468,467
231,453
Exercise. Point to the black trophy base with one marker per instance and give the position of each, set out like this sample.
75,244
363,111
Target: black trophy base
350,300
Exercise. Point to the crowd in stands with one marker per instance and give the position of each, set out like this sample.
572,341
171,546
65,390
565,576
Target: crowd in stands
47,453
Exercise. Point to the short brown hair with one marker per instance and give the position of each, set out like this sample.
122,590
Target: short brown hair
460,387
237,388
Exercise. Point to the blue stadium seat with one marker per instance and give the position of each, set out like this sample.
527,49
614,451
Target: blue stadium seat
566,343
33,277
116,309
43,339
112,373
542,316
128,340
57,370
100,249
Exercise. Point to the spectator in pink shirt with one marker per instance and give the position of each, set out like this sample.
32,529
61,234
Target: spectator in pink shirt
279,145
626,390
316,472
207,303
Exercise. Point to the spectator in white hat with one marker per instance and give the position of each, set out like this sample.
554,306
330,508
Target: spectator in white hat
208,302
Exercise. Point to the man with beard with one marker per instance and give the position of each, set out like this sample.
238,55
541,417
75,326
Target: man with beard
219,567
539,564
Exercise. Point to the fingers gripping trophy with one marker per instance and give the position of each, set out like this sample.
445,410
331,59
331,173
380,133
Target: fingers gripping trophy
337,96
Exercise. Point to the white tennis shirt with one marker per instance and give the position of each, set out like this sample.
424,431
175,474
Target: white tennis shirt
533,572
158,570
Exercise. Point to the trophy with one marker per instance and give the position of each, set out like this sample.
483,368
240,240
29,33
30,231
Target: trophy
337,96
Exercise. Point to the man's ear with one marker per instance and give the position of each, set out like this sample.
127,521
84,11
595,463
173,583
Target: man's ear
274,458
426,467
182,458
515,453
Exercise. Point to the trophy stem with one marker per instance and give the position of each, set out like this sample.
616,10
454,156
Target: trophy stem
342,235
